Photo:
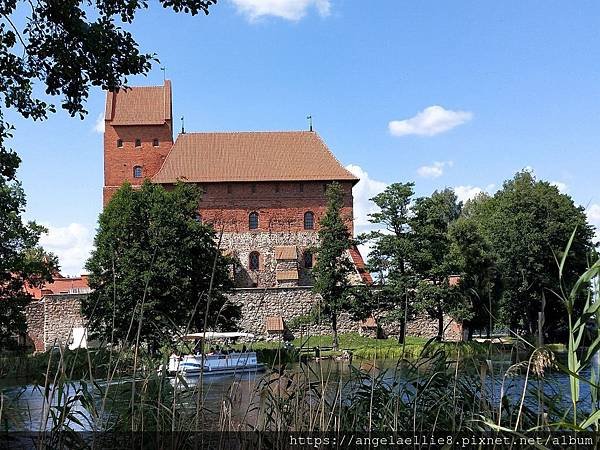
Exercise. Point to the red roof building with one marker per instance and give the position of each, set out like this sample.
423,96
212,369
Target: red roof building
60,285
266,190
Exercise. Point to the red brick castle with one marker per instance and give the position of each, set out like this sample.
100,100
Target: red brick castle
265,190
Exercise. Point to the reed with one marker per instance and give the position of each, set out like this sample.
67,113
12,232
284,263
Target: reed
423,386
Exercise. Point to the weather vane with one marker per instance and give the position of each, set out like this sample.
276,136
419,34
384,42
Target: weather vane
182,126
164,71
310,124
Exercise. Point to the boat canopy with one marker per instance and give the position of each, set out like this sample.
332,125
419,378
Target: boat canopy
215,335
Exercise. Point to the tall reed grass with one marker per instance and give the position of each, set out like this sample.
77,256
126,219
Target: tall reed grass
442,387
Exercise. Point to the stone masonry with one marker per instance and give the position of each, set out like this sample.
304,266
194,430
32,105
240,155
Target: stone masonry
51,320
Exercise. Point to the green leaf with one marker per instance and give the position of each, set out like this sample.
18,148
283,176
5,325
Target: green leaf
592,420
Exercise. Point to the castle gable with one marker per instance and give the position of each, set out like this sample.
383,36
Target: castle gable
251,157
147,105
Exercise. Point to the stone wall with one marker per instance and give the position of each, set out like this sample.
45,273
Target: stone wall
34,312
258,304
242,244
50,321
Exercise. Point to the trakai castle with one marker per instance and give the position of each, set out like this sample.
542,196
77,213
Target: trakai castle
265,190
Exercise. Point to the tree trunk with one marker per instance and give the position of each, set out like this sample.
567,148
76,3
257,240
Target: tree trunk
335,333
440,325
402,332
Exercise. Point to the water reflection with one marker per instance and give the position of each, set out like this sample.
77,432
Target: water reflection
234,400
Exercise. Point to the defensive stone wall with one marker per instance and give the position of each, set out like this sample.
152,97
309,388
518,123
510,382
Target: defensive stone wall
290,302
50,321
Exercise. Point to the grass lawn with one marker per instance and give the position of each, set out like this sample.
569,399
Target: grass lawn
369,348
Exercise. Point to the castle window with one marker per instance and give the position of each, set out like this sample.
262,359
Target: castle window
276,187
253,188
308,260
301,187
155,142
254,261
137,172
198,218
119,143
138,142
309,220
253,220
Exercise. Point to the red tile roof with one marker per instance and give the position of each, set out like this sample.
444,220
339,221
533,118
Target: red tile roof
286,275
147,105
275,324
369,322
60,285
286,252
251,156
360,265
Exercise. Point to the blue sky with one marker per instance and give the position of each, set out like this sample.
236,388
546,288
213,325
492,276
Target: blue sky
460,94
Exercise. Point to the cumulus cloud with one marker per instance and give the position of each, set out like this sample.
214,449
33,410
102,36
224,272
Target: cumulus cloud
429,122
293,10
465,193
562,187
99,124
593,213
363,191
72,244
468,192
435,170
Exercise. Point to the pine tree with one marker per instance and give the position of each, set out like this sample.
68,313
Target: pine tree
333,267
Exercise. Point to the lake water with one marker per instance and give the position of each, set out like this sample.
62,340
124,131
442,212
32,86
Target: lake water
26,407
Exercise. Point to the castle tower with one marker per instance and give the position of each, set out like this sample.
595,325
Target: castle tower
138,135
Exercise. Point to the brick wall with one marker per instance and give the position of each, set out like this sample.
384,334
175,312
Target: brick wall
281,206
119,162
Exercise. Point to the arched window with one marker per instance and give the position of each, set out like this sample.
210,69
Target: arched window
138,142
155,142
309,220
253,220
254,261
308,260
120,143
137,172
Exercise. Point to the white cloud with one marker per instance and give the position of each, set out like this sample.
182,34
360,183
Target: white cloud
435,170
286,9
99,124
593,213
431,121
468,192
562,187
465,193
362,192
72,244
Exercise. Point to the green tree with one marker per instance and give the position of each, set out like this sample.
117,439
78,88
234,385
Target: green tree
56,48
153,266
333,267
432,260
22,261
528,224
392,247
479,279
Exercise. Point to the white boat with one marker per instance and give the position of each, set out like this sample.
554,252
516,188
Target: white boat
212,364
